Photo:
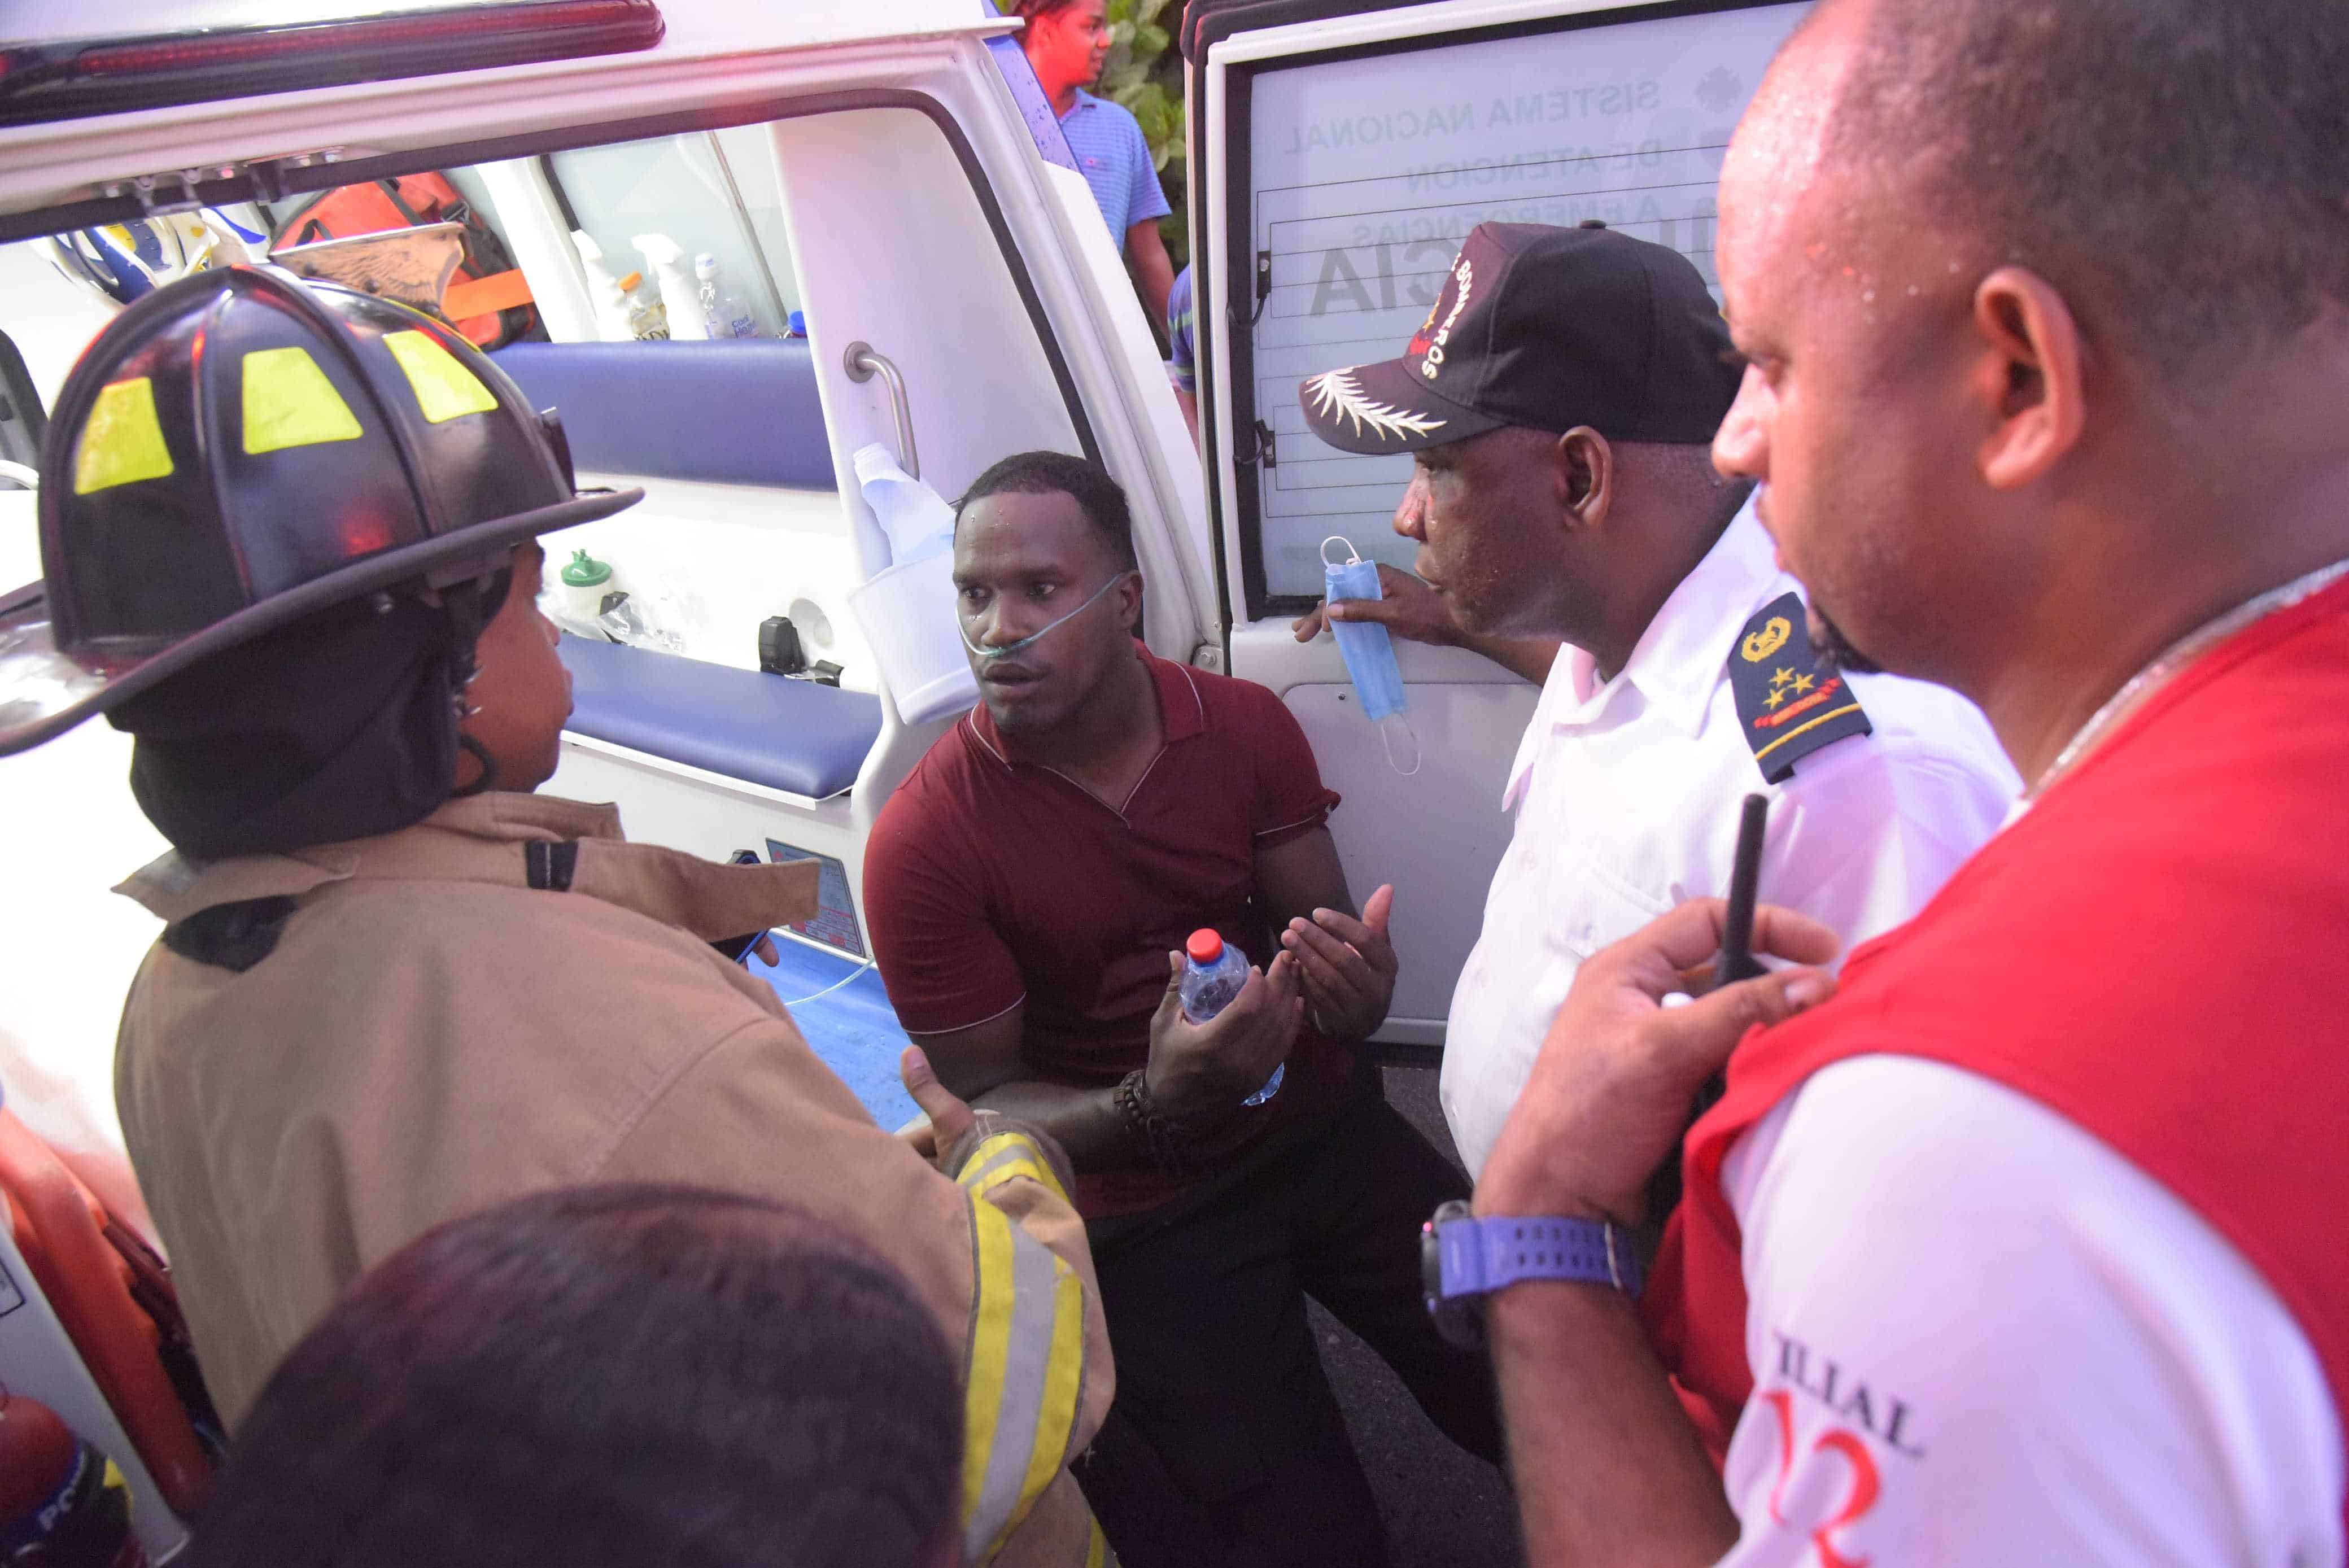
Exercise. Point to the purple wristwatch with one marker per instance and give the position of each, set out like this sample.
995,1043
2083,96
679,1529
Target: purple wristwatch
1462,1259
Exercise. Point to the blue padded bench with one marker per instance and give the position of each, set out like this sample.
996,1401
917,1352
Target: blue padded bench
793,735
739,411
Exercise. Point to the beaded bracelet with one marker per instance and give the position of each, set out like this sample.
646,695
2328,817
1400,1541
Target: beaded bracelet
1162,1140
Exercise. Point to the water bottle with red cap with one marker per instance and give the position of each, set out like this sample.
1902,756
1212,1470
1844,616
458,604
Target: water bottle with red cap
1213,974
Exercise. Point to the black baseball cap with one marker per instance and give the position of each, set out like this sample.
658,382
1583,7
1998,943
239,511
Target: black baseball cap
1549,329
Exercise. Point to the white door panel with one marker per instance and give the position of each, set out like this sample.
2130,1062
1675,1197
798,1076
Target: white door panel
921,281
1437,834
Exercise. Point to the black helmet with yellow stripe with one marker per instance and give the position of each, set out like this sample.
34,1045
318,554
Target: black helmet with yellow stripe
241,449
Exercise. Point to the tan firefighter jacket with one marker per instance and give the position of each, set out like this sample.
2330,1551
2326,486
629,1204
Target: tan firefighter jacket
430,1033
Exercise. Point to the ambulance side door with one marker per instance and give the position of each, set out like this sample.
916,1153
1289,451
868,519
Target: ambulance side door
1339,160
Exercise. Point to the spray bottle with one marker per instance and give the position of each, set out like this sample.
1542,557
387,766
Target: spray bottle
603,290
679,296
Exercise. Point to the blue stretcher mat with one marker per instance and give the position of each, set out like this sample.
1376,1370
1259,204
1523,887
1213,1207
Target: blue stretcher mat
853,1028
789,735
742,411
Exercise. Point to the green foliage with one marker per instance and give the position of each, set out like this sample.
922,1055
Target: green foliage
1145,75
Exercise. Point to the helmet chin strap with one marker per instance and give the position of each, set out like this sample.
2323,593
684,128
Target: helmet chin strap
469,609
1032,638
489,779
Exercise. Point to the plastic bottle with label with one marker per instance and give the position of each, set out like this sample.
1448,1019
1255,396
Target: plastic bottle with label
1213,974
724,313
679,297
647,317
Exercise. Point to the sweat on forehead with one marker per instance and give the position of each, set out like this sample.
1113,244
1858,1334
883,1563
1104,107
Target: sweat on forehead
1790,204
2178,169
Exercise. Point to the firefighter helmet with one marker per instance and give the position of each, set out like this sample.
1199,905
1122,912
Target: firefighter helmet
240,449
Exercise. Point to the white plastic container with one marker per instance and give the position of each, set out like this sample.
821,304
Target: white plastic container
908,616
915,518
679,297
603,291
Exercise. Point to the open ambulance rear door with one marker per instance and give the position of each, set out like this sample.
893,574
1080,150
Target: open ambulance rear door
860,162
1339,156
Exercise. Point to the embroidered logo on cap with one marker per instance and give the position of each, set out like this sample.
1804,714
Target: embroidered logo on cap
1464,276
1338,394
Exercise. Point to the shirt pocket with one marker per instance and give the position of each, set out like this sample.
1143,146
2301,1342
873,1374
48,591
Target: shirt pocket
1599,906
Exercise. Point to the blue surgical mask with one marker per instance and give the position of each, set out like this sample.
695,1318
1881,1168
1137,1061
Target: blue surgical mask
1032,638
1369,653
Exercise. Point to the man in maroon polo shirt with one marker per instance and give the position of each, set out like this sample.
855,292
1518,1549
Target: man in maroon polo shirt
1029,886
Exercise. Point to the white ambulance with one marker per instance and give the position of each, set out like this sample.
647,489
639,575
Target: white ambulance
753,671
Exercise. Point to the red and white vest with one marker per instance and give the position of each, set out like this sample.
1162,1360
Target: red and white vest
2158,952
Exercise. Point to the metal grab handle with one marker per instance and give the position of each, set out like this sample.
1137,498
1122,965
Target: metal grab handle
861,362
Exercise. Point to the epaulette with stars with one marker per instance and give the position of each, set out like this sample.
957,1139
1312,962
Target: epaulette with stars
1789,703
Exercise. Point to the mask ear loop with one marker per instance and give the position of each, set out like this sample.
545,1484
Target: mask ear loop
1390,726
1353,556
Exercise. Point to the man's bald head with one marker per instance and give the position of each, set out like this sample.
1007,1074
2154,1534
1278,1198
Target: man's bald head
2179,168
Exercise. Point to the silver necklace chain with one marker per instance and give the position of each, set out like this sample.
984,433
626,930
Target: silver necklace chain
2174,659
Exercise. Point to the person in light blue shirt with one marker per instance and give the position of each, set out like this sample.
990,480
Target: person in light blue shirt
1182,350
1067,42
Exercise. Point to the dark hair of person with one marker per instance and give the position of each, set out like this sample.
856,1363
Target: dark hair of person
1056,473
2179,167
622,1377
1031,10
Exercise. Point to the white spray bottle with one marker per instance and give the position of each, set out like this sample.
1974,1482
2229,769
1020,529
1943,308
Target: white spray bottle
679,296
603,290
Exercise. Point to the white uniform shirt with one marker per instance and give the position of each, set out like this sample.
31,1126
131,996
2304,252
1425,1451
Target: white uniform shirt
1979,1336
1627,800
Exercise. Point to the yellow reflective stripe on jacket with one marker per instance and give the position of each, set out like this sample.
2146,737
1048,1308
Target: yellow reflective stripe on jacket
1097,1548
1027,1372
1004,1156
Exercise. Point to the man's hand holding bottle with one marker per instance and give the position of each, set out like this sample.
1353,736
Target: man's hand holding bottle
1199,1073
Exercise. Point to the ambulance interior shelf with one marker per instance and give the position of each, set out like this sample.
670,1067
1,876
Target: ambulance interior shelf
744,411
